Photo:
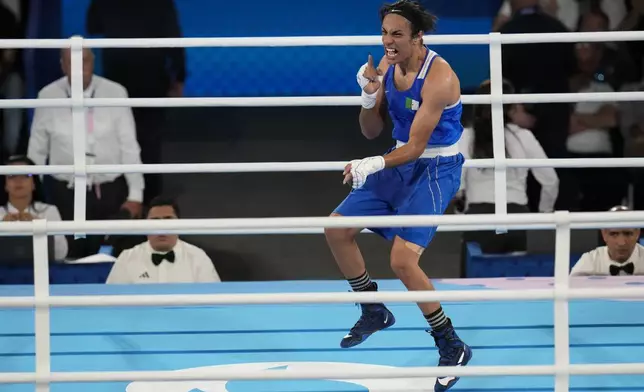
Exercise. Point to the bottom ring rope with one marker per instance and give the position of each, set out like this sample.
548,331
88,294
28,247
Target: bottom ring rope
410,372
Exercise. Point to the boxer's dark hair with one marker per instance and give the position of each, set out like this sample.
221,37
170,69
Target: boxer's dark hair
420,19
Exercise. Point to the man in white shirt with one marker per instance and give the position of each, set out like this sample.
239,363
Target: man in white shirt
111,139
163,258
622,255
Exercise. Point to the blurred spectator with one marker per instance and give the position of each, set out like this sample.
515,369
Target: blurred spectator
23,201
613,64
111,139
615,10
632,129
622,255
634,21
163,258
145,73
11,83
632,113
477,185
591,124
540,68
568,11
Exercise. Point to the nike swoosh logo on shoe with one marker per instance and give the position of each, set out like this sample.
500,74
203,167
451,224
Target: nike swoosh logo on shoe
444,381
460,360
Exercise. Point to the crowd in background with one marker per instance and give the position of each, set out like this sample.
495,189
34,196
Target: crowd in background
561,130
131,135
115,135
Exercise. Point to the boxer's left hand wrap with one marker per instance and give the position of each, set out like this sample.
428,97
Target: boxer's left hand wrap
362,168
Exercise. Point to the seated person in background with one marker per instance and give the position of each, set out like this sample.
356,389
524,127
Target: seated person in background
111,140
22,202
566,11
477,185
163,258
622,255
590,135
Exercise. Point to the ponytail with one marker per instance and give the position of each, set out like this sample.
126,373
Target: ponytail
482,124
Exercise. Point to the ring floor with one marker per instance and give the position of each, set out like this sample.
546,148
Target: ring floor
296,337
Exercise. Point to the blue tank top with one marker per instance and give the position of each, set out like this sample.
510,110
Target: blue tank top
404,104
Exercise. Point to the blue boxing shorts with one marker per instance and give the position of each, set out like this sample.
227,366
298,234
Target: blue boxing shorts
422,187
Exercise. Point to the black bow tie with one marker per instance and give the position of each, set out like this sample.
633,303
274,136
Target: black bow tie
157,258
629,268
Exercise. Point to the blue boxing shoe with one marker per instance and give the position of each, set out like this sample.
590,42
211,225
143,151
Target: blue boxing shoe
375,317
452,351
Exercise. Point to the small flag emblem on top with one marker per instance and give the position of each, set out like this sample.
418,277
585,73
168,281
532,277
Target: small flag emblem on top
411,104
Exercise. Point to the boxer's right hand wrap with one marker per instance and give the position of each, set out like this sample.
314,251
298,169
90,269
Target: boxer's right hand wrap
368,100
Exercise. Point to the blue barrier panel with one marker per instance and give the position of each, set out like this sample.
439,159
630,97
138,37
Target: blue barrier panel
296,71
481,265
94,273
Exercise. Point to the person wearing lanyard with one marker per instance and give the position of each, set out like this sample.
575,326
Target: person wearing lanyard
111,139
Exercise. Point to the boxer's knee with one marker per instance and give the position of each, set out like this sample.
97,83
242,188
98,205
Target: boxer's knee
340,234
405,256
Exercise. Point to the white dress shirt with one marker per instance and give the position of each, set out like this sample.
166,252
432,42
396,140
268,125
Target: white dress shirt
191,265
42,211
478,184
593,140
111,134
597,262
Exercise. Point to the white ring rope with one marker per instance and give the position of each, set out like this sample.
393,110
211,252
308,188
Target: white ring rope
562,222
542,221
349,40
402,372
322,298
482,99
262,167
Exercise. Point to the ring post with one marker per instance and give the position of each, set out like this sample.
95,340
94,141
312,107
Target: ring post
42,313
498,128
78,132
561,316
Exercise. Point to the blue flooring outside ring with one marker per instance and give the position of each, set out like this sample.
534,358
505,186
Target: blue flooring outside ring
304,336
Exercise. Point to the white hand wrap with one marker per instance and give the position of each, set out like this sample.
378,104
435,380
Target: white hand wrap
368,100
362,81
362,168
